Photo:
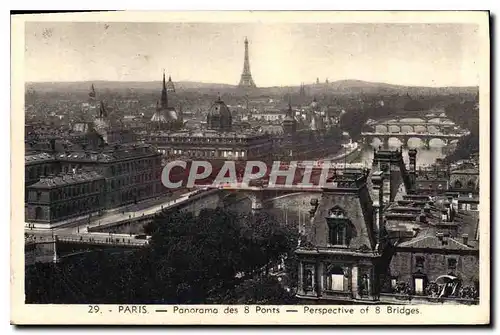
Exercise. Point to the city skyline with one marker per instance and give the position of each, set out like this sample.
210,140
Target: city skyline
433,55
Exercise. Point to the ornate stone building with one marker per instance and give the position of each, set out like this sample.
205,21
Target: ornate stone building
218,142
375,238
132,171
306,137
64,196
165,116
465,180
344,256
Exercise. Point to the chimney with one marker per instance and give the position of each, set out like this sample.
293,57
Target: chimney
378,203
465,239
416,230
412,156
427,208
446,235
53,144
444,216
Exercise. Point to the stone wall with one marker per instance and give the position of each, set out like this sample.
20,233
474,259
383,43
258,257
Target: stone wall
403,265
292,209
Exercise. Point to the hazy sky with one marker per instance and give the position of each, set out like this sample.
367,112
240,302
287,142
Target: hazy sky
280,54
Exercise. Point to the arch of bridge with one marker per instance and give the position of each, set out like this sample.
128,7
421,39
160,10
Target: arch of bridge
268,198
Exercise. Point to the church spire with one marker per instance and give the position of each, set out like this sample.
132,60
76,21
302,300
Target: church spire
164,98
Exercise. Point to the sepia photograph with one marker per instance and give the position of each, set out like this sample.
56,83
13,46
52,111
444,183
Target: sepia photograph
251,163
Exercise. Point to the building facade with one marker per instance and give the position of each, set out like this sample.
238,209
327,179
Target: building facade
218,142
374,238
65,196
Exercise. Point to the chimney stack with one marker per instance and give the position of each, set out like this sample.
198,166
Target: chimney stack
465,239
446,235
412,155
378,204
444,216
427,208
53,144
416,230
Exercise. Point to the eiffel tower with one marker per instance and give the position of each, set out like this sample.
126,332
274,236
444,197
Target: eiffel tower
246,77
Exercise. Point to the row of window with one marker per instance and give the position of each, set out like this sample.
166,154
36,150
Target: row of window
420,261
140,165
131,180
201,140
471,184
35,172
201,153
335,278
68,191
134,195
70,208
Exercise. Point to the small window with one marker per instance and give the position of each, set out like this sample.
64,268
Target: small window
335,279
308,280
337,234
419,261
452,263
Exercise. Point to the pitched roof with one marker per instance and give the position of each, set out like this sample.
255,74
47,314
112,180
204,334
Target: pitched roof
433,242
66,179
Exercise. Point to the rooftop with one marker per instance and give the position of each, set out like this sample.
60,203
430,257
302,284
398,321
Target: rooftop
208,134
66,179
38,157
109,154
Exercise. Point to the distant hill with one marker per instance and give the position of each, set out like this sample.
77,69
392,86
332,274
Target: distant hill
336,87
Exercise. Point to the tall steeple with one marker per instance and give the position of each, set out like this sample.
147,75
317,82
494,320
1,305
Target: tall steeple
289,123
164,98
246,77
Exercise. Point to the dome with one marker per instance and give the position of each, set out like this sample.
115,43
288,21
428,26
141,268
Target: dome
219,108
219,117
289,115
170,85
158,117
314,104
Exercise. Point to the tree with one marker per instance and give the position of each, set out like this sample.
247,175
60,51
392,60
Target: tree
190,260
262,290
205,257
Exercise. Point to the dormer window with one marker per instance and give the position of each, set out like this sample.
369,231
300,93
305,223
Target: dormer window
339,226
336,213
419,262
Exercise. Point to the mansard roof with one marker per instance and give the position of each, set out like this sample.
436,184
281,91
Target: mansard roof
66,179
434,242
38,157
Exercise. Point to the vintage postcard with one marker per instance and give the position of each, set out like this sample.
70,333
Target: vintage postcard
320,168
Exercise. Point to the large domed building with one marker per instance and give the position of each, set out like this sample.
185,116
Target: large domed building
219,116
170,85
217,142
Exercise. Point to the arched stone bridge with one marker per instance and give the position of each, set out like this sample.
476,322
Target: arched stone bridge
426,138
412,125
270,197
